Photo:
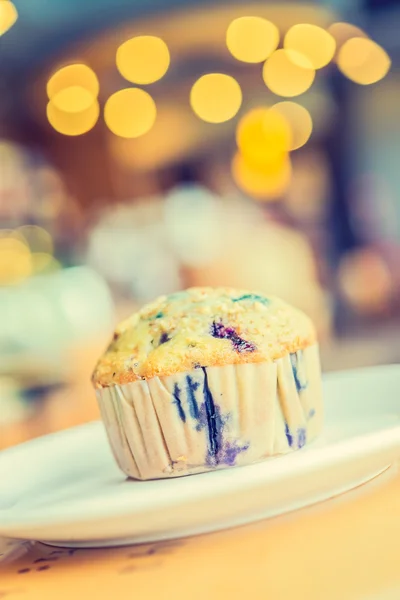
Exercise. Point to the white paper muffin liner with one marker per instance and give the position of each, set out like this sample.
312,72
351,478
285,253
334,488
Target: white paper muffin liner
214,417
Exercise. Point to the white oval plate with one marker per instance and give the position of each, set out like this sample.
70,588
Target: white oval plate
65,489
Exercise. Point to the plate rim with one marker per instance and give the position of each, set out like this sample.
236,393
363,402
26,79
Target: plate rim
306,460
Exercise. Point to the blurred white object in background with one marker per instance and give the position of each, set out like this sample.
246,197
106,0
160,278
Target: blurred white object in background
192,218
45,315
261,254
129,246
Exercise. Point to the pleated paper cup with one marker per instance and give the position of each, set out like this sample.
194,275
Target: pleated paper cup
214,417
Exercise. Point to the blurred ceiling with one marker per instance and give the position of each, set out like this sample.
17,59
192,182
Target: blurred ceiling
52,32
46,27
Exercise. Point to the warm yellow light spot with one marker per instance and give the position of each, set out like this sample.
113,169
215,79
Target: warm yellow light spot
288,73
143,59
365,280
266,183
160,146
73,99
15,234
252,39
311,41
73,123
130,113
37,238
343,32
216,97
15,260
299,120
8,15
363,61
263,135
43,263
77,76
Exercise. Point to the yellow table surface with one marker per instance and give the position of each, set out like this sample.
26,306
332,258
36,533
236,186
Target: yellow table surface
346,548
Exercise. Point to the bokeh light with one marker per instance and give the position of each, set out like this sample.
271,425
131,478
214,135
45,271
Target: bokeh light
13,233
37,238
130,113
311,41
43,264
160,146
263,136
365,280
15,260
264,183
24,252
216,97
8,15
306,197
363,61
252,39
73,99
288,73
73,88
344,31
191,220
73,123
299,119
143,59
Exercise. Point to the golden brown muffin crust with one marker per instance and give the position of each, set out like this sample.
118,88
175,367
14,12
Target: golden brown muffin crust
202,327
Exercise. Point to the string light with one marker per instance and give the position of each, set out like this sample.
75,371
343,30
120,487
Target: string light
288,73
216,97
143,59
252,39
130,113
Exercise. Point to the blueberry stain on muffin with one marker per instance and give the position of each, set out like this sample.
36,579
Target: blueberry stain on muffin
288,434
220,331
207,417
191,387
164,338
210,418
301,437
301,382
177,400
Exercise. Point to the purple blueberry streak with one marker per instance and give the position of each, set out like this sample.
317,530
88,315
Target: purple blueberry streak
301,437
164,338
288,434
220,331
295,359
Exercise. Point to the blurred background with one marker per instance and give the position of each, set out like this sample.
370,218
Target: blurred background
151,145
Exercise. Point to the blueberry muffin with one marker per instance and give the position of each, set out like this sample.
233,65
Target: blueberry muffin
209,378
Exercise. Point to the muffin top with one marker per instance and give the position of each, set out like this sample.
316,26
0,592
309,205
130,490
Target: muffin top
202,327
